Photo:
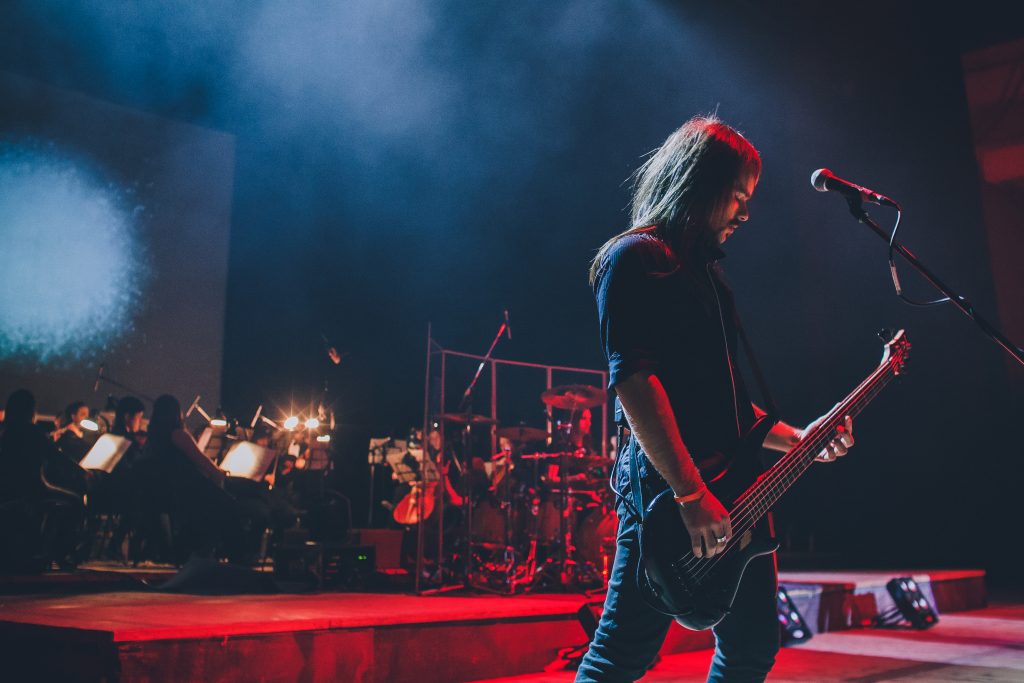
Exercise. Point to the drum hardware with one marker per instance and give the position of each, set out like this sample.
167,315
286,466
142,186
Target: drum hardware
525,532
574,397
522,434
468,419
507,574
464,416
553,532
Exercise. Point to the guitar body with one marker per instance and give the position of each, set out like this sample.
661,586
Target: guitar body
669,576
696,602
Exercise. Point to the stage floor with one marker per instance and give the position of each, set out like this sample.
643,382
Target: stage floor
151,636
981,645
131,617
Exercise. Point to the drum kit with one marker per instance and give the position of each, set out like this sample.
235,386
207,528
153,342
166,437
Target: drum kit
546,519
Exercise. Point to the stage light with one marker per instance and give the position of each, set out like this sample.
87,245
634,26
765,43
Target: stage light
324,438
912,606
291,423
89,425
793,627
312,423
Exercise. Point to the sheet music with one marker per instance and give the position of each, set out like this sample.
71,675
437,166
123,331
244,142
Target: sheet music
248,460
106,453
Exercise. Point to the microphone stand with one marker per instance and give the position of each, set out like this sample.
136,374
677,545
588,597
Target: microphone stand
467,396
965,306
466,404
102,378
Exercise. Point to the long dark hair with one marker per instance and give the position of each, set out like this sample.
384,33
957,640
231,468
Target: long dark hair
20,410
165,419
684,183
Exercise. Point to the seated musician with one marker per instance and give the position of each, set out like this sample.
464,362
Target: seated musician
176,477
118,492
501,462
69,436
73,445
31,464
579,437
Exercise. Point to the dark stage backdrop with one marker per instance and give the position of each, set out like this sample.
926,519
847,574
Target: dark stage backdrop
400,163
113,248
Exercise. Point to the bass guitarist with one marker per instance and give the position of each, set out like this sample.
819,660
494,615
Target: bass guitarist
669,331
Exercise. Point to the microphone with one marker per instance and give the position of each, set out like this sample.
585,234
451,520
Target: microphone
508,326
824,180
99,377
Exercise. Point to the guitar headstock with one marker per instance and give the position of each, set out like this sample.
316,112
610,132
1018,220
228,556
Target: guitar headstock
896,351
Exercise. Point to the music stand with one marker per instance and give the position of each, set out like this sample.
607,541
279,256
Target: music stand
408,469
374,457
106,453
248,460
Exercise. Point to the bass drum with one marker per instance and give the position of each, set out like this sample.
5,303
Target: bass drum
595,539
488,522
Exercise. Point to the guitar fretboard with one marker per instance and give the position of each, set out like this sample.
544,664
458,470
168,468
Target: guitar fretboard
770,486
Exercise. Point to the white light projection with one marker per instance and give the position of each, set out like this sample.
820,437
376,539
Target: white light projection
71,264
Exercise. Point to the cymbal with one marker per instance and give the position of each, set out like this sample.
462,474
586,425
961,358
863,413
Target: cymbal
522,434
572,455
574,396
463,418
539,456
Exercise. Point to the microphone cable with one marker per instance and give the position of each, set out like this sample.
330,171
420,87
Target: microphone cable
895,274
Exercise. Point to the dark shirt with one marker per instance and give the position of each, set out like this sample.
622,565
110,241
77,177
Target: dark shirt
73,446
24,453
676,319
23,450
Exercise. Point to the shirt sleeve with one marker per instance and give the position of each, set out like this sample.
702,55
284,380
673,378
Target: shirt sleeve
626,293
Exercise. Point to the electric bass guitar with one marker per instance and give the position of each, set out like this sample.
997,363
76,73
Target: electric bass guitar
698,592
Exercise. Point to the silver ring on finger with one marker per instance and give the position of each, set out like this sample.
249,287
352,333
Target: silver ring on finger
721,539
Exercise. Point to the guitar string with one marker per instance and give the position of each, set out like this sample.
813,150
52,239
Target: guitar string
842,408
793,457
749,517
752,504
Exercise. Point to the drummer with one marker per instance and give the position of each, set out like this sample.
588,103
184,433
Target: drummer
579,436
500,462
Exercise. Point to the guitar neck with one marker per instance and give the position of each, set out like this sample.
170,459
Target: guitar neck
770,486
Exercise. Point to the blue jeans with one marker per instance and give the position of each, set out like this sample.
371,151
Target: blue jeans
631,633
